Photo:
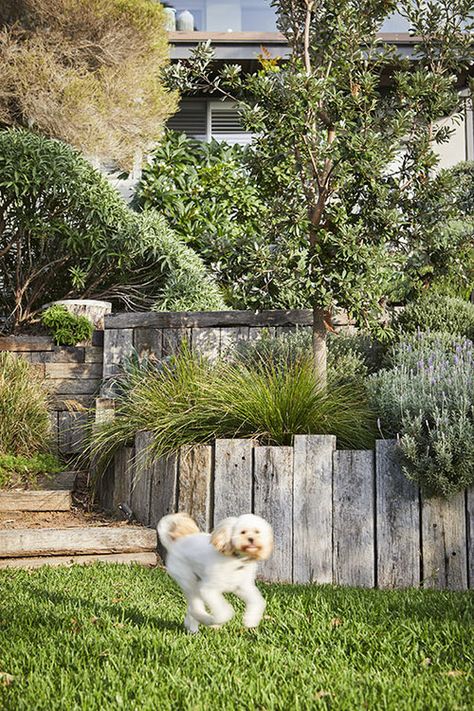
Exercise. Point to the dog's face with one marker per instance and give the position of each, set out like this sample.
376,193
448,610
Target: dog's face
248,535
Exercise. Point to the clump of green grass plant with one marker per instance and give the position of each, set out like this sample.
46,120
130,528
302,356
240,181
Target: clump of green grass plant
188,400
25,427
351,357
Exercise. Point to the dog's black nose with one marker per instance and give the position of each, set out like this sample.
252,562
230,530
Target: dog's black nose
250,540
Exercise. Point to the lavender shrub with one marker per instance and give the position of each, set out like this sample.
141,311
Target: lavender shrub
427,400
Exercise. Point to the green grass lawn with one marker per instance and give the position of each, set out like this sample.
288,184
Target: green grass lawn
111,637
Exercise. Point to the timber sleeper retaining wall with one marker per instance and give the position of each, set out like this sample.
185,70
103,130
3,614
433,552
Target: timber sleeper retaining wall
211,333
339,516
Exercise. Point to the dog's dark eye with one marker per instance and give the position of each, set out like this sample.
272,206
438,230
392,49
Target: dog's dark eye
243,532
257,532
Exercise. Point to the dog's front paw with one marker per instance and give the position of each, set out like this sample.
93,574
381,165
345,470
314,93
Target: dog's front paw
191,625
251,622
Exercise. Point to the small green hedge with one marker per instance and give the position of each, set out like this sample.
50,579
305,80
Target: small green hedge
434,312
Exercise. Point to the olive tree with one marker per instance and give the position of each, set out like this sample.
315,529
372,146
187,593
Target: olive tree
354,126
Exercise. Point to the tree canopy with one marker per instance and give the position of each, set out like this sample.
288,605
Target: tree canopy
349,153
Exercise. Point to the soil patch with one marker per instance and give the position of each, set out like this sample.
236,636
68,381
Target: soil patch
57,519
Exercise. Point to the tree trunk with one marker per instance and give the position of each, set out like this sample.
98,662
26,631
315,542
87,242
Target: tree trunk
320,319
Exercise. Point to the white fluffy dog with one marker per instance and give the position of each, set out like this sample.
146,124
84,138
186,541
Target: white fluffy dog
207,565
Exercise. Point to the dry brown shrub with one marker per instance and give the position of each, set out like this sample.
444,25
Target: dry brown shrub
86,72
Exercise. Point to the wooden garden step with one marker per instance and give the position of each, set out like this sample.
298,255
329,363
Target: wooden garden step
63,481
45,500
147,558
86,540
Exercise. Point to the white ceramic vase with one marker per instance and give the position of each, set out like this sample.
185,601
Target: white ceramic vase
185,21
170,19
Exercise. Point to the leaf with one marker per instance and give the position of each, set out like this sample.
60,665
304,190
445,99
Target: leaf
6,679
321,694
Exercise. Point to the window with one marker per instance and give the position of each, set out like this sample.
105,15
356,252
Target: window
205,120
228,15
191,119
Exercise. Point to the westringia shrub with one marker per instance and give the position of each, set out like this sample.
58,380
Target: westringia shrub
67,328
427,398
25,427
434,312
188,400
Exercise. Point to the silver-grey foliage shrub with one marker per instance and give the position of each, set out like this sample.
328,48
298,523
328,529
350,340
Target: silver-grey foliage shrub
427,399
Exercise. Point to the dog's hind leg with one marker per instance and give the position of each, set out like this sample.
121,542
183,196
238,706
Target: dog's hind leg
191,624
197,610
221,610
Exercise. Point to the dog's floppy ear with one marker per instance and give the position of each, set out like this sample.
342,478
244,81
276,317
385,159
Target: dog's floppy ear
221,537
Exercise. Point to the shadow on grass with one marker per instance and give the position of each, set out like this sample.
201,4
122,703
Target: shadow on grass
378,606
121,613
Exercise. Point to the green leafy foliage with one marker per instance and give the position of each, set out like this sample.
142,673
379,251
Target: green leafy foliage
65,232
438,313
206,194
347,156
427,397
188,400
464,178
67,329
18,470
437,232
25,427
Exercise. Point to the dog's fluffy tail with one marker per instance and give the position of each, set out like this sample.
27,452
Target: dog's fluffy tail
175,526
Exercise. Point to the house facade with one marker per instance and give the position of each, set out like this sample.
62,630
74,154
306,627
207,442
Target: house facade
238,29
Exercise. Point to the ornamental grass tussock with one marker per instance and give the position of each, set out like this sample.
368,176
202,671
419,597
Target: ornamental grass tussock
25,424
189,400
427,399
